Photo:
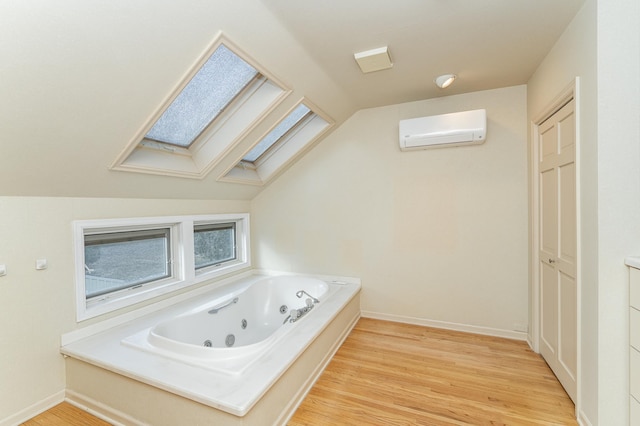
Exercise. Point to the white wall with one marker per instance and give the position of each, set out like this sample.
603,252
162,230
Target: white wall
80,79
435,235
602,47
618,195
574,55
37,307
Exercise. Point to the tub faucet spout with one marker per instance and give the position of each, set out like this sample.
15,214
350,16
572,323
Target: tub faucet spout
301,293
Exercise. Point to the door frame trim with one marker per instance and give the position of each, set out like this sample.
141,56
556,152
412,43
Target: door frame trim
571,91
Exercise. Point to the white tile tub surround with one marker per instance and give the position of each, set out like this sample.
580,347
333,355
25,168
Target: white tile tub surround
234,394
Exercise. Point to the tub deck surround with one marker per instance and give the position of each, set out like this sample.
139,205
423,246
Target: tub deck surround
234,392
632,261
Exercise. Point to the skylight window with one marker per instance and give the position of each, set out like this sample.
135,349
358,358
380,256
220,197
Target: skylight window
285,126
279,147
212,88
214,107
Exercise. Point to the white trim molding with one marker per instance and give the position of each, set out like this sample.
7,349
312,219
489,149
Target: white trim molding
487,331
33,410
571,91
183,272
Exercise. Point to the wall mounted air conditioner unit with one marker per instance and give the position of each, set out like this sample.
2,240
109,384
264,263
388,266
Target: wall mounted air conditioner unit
438,131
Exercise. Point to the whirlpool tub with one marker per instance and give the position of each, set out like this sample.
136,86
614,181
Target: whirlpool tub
244,353
229,336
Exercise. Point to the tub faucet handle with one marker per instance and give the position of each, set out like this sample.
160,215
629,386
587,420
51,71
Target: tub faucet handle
301,293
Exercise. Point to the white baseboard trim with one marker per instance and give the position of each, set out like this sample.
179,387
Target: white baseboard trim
33,410
530,342
496,332
583,420
100,410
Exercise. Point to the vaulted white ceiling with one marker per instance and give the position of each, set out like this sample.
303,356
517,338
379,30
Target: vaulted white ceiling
80,78
487,43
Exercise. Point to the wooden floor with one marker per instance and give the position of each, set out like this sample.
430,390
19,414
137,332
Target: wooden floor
389,373
65,414
396,374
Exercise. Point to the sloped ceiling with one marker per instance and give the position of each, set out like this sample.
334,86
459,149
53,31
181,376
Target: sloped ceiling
487,43
78,78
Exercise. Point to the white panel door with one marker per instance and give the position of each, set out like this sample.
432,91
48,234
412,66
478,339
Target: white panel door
558,255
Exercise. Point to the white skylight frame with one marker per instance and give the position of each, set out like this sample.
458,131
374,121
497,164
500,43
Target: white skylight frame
283,152
238,119
278,134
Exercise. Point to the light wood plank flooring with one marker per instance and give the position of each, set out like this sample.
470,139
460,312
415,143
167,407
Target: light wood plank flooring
65,414
389,373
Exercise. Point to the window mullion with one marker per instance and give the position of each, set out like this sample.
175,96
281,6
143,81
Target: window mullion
187,250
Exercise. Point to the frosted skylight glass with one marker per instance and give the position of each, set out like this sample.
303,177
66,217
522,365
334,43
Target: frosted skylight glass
285,125
219,80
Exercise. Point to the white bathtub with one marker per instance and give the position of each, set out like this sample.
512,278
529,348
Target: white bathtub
161,358
230,335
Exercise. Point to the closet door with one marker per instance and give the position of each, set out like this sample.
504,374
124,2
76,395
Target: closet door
558,256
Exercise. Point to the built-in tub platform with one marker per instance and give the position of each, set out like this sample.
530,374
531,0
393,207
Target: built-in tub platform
132,386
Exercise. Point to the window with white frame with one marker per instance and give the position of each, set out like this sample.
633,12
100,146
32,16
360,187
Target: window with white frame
120,262
216,84
286,140
220,99
214,244
278,133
